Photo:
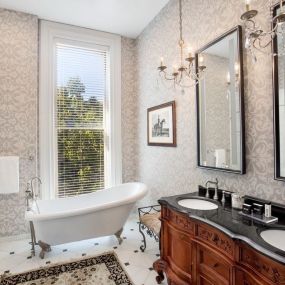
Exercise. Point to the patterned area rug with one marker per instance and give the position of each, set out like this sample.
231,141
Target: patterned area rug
104,269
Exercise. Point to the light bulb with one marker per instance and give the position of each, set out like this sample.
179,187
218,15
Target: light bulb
201,59
189,50
236,68
161,61
228,78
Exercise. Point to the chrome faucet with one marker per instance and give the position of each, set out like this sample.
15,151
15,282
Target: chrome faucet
30,193
29,196
35,196
216,188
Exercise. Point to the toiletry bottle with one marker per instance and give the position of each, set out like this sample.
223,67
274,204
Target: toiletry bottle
267,210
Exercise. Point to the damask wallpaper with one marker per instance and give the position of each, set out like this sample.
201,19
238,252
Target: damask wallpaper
169,171
18,108
129,109
19,105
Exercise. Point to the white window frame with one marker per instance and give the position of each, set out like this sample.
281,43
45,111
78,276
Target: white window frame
50,33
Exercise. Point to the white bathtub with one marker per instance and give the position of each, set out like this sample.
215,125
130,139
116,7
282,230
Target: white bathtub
98,214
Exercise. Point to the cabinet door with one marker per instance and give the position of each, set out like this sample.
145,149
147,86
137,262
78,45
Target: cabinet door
178,252
204,280
212,267
244,278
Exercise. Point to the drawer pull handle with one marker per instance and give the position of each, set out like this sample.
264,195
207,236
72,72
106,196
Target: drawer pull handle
216,264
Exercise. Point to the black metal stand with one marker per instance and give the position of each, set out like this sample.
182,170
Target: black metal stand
142,227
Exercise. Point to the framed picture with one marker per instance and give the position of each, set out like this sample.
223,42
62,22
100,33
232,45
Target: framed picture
161,125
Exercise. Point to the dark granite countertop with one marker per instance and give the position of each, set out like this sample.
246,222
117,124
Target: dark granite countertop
227,220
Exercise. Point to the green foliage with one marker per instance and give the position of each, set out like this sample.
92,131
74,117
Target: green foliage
80,140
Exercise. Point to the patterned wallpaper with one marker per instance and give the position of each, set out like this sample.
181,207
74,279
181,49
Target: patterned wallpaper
129,110
169,171
18,108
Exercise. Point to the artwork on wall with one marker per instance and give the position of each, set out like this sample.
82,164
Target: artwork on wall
161,125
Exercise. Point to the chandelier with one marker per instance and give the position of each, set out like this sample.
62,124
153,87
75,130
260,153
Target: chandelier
186,68
255,37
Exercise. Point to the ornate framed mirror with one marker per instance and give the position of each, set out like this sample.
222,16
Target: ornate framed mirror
279,103
220,104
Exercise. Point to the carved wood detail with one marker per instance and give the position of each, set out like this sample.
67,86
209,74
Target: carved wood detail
218,239
181,221
263,265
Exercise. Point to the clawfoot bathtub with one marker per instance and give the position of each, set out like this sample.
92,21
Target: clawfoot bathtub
86,216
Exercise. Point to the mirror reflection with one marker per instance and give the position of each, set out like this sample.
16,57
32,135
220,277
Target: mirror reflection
219,105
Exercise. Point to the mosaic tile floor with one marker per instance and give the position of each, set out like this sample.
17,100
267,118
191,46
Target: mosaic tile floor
15,255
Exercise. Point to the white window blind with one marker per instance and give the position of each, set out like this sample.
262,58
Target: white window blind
81,76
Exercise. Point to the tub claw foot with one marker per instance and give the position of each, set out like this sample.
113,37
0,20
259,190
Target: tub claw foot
45,248
118,235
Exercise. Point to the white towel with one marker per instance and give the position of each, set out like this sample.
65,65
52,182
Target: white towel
9,174
220,155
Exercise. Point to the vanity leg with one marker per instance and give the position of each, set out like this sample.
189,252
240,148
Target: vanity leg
118,235
45,248
159,266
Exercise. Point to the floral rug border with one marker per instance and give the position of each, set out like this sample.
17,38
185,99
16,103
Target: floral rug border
110,259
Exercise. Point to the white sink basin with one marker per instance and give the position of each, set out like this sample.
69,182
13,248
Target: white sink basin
275,238
197,204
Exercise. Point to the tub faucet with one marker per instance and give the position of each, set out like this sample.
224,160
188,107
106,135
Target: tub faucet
35,196
216,188
30,193
29,196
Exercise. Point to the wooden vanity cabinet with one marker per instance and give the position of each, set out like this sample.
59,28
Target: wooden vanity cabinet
195,253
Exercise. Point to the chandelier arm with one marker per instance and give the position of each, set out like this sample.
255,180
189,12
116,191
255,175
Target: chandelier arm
267,43
259,47
165,85
167,77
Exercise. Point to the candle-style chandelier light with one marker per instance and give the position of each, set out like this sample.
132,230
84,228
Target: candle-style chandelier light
255,37
186,68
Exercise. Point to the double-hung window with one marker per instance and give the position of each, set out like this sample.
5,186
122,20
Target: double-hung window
79,110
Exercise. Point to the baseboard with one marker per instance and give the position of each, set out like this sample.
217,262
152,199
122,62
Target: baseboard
14,238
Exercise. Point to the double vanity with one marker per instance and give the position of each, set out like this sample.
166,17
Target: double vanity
207,242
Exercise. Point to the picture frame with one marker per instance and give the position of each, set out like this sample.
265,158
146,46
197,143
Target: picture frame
161,125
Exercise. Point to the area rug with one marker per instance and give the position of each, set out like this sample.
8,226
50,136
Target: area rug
103,269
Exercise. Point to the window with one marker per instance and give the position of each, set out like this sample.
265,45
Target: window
80,95
79,110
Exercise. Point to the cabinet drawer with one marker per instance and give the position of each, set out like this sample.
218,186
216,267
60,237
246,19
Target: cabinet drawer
216,239
180,221
257,262
211,263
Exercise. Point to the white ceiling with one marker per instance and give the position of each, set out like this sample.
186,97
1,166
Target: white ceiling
124,17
